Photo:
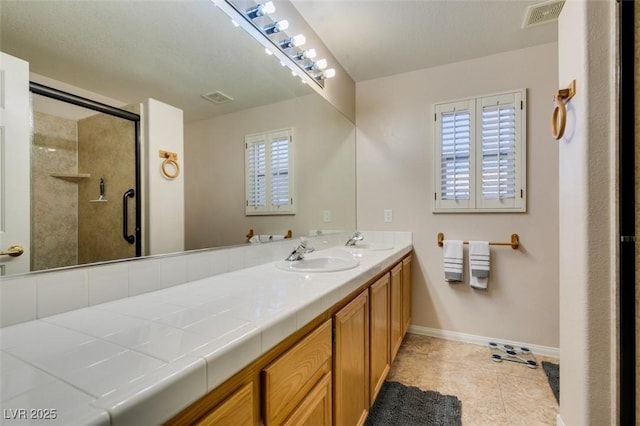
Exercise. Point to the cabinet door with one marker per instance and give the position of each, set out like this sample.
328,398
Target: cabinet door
351,362
292,375
406,294
380,323
396,309
315,409
237,410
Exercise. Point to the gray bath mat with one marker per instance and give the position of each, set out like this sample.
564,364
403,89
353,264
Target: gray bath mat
402,405
553,376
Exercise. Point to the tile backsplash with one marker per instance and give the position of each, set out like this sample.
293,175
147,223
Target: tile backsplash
42,294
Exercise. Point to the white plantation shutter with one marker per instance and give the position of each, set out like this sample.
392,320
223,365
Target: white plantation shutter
256,167
280,194
269,173
481,170
499,166
455,132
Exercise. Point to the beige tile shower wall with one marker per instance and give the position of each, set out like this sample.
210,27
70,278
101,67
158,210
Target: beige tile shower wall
54,215
106,150
395,171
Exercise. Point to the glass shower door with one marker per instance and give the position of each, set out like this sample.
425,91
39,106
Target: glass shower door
83,164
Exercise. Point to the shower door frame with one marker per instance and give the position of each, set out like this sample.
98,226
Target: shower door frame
70,98
628,329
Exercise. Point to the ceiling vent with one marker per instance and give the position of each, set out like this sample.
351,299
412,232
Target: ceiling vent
542,13
217,97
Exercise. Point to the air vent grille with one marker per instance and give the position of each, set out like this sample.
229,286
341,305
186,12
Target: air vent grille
217,97
542,13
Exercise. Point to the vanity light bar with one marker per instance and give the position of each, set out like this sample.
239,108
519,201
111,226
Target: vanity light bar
274,32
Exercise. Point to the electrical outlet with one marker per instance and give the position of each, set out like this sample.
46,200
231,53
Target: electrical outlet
327,215
388,215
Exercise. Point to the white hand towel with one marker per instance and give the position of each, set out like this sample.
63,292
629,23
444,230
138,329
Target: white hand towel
254,240
479,266
452,257
277,237
265,238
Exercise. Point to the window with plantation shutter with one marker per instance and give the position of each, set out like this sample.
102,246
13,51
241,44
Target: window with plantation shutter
480,154
269,173
455,131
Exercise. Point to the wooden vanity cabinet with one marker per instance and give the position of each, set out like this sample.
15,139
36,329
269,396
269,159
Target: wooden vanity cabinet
237,410
380,334
290,382
406,294
396,309
315,409
351,362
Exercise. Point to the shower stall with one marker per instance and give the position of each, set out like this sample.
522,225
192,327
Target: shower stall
85,178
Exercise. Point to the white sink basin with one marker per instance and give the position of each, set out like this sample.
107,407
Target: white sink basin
318,264
370,246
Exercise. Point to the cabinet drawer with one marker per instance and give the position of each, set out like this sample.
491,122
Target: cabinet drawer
237,410
288,379
315,409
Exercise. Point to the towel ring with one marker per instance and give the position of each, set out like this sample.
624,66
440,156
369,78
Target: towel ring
559,116
559,111
170,159
174,163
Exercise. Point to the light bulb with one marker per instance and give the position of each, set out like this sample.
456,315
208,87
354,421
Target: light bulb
306,54
261,10
276,27
330,73
269,7
321,64
298,40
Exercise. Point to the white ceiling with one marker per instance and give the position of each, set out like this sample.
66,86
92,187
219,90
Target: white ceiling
176,50
376,38
172,51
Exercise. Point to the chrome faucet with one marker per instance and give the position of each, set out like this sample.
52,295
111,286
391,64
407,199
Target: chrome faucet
354,239
299,252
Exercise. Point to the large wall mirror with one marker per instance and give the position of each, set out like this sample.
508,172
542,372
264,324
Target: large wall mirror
174,52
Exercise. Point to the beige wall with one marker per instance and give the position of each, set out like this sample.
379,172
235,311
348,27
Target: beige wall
163,199
395,171
324,155
587,219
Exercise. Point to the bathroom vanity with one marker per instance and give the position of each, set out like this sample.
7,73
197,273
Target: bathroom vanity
254,344
328,372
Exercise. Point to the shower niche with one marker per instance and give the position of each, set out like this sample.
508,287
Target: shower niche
82,162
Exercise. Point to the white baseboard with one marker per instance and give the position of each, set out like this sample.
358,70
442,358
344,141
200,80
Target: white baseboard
559,421
482,340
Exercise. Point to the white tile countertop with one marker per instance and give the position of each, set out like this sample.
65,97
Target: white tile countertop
142,359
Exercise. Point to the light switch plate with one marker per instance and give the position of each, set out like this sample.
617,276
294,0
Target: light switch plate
388,215
327,215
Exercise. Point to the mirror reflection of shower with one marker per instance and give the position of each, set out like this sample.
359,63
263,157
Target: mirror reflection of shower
82,161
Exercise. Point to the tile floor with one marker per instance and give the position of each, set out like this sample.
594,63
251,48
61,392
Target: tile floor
492,393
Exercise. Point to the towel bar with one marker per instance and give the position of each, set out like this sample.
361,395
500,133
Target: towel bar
288,235
514,243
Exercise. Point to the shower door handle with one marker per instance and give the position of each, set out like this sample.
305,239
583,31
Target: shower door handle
125,226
